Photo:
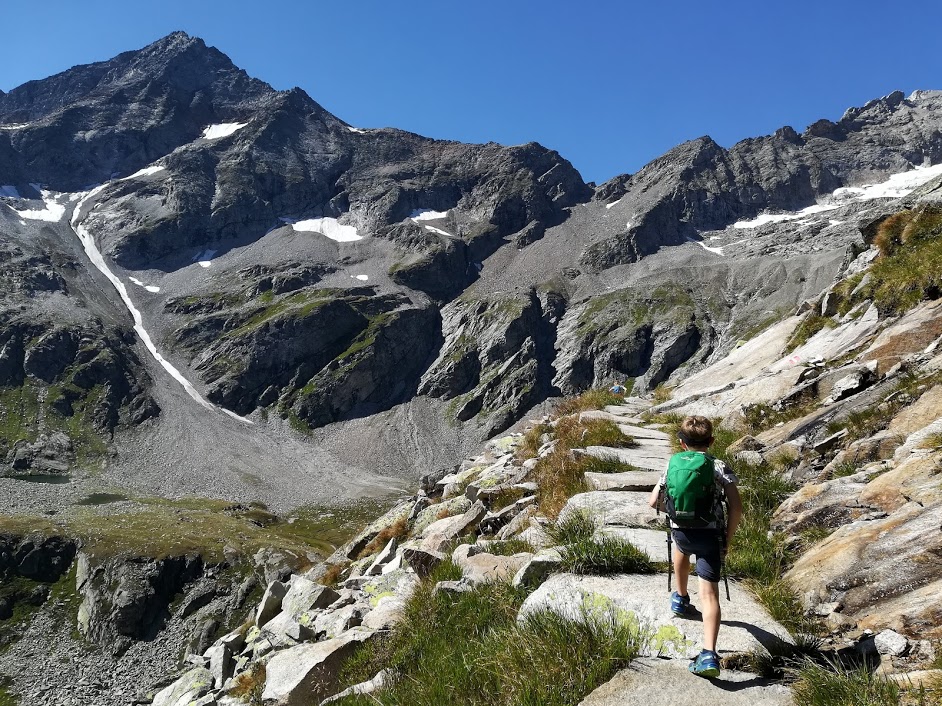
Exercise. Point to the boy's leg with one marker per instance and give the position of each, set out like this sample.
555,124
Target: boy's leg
682,569
710,609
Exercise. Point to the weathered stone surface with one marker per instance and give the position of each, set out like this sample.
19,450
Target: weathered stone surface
332,623
452,527
614,508
304,594
191,686
538,568
286,629
422,561
643,600
220,663
480,567
628,481
916,330
270,604
296,676
876,570
657,682
386,614
833,343
646,457
447,508
366,687
646,433
892,643
385,555
919,414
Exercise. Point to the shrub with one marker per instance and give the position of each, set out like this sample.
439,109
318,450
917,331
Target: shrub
250,684
832,685
397,530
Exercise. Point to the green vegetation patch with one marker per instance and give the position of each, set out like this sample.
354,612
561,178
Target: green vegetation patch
809,326
832,685
160,528
28,411
909,268
547,661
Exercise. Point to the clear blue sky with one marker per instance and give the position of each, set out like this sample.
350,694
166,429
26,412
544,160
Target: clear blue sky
610,84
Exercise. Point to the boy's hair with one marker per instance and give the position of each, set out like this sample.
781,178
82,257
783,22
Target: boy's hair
696,431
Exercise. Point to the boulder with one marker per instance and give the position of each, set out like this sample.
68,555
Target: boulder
188,688
479,566
303,594
443,531
877,570
614,508
384,557
270,605
657,682
220,663
891,643
286,629
308,672
538,568
641,601
422,561
332,623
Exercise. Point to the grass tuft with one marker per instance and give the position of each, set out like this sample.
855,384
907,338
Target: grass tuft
397,530
831,685
809,326
597,398
546,660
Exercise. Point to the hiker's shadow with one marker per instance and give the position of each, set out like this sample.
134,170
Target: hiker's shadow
764,637
732,686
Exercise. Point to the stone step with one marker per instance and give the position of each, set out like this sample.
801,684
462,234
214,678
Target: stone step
646,457
642,432
627,481
651,542
660,682
644,599
613,507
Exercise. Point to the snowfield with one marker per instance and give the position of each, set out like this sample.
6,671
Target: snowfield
53,212
149,287
215,132
146,171
328,227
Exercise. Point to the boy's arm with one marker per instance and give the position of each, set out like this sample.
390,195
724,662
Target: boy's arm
734,504
655,496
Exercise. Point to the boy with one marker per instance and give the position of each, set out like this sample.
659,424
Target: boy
703,532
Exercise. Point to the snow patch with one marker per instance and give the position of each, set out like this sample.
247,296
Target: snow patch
897,186
146,171
328,227
439,231
358,130
9,191
715,251
426,214
613,203
764,218
149,287
203,259
362,278
52,213
834,222
214,132
14,126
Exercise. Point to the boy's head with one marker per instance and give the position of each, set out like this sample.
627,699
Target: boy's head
696,432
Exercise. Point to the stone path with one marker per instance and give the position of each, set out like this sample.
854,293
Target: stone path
643,599
666,682
619,504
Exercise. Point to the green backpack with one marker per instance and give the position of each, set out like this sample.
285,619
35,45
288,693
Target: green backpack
692,498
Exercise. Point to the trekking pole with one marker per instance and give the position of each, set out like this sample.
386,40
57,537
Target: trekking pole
723,562
670,560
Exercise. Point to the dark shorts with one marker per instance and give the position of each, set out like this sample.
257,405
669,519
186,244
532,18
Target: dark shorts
705,544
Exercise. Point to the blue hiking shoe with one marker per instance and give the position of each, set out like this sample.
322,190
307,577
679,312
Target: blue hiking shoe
679,604
707,664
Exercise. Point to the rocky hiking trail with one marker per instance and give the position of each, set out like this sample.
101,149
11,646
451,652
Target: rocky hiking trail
303,631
